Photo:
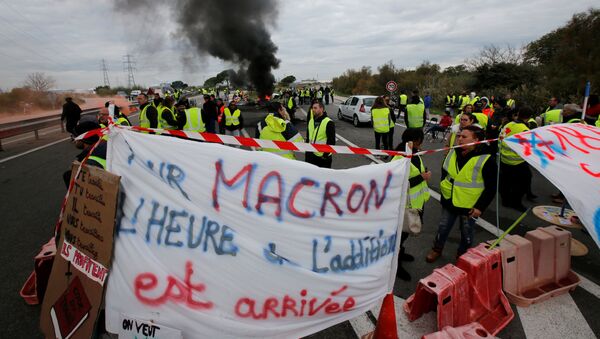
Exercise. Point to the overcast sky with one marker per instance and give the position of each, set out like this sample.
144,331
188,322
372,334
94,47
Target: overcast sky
67,39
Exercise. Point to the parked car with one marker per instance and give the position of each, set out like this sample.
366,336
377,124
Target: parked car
357,108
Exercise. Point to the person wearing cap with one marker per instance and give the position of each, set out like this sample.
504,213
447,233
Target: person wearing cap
234,121
515,175
70,112
277,126
98,156
467,188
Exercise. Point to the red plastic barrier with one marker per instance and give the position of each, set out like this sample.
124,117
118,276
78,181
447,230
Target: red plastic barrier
446,290
472,331
468,292
489,305
34,289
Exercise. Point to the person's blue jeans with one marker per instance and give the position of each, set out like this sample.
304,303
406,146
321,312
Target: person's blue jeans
447,220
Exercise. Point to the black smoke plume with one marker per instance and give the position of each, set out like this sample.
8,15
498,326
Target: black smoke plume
231,30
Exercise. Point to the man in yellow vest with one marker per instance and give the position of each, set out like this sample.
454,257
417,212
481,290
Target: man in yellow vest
515,175
167,116
277,126
320,130
148,113
510,102
415,116
468,187
193,120
234,121
552,114
571,113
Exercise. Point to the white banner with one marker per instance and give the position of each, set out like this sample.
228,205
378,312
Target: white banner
569,156
220,242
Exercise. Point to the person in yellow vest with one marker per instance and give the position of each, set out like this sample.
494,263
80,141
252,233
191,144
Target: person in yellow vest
320,130
332,94
277,126
468,186
98,156
148,113
464,120
598,123
390,135
167,116
234,121
473,98
380,116
402,102
464,100
418,191
510,102
482,118
515,175
415,116
193,120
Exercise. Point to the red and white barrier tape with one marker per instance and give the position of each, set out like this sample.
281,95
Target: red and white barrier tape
283,145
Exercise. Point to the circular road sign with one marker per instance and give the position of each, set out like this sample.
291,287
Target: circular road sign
391,86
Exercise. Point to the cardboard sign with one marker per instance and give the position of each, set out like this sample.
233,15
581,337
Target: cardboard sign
79,273
220,242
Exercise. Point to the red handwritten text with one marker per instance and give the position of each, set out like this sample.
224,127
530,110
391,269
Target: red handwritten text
177,291
292,306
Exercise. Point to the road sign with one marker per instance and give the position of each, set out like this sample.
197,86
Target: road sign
391,86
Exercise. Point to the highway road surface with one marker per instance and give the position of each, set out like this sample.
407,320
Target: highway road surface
32,190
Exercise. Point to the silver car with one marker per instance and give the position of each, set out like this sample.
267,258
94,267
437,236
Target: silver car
357,108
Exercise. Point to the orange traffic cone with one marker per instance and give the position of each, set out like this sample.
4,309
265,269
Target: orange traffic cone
386,324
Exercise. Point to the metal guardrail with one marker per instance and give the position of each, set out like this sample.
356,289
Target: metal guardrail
12,129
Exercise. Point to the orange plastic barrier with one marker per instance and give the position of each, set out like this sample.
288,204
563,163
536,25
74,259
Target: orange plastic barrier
468,292
538,266
446,290
472,331
489,305
34,289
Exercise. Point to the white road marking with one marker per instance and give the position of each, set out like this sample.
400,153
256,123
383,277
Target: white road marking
556,318
33,150
589,286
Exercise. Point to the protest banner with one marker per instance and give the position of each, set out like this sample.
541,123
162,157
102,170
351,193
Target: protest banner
220,242
75,289
569,156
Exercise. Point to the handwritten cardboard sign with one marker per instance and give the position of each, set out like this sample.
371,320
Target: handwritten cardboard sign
84,252
220,242
569,156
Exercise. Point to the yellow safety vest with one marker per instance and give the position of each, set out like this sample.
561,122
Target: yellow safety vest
164,123
510,103
232,119
123,122
464,187
99,160
464,101
273,131
552,117
403,99
144,122
482,119
507,155
290,103
194,121
415,115
419,194
598,122
318,135
381,119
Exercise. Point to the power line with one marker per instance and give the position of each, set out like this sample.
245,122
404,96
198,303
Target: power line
105,74
129,65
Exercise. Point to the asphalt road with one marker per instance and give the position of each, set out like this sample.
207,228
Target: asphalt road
32,191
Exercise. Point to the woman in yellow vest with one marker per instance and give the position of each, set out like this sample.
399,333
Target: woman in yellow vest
380,116
464,120
418,192
234,122
468,187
